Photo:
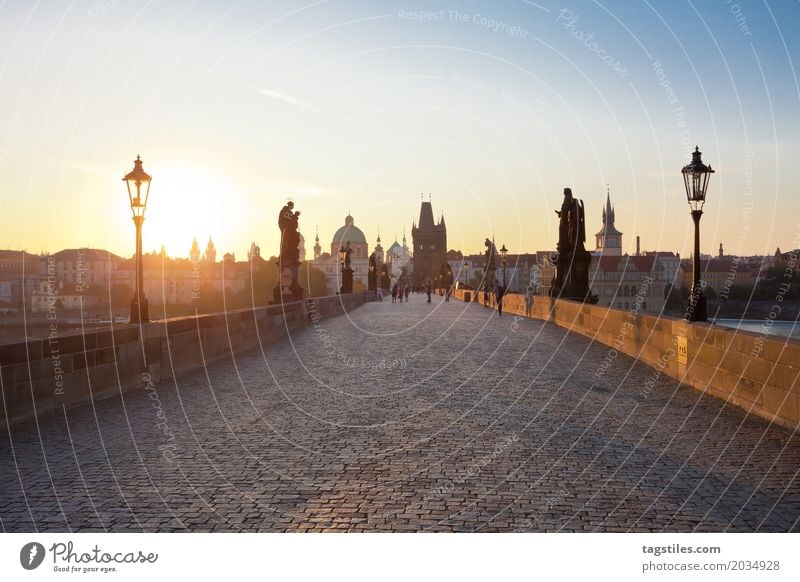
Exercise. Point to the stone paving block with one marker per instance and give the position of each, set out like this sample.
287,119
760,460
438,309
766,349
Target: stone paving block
439,417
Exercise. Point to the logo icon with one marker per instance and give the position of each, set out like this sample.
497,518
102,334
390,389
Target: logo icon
31,555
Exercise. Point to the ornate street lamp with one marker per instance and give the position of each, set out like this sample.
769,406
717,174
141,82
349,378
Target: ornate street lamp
503,259
138,183
695,178
466,274
342,258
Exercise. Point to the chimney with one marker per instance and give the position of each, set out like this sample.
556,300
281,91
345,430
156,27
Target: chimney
637,245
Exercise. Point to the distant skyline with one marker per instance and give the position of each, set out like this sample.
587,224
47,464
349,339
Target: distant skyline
361,106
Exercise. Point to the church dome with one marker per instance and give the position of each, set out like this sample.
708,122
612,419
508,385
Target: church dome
349,232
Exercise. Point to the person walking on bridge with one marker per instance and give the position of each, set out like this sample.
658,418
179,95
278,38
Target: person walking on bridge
394,293
407,292
428,291
529,302
499,291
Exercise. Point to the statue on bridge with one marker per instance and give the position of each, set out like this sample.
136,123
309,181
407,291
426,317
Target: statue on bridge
572,259
491,266
288,287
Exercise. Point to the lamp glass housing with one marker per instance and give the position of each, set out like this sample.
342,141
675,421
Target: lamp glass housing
138,183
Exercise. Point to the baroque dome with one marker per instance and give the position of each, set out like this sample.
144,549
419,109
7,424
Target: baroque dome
348,232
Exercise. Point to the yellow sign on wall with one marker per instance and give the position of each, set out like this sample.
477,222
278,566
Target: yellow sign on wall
683,351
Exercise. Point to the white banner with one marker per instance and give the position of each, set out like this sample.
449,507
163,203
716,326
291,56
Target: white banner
401,557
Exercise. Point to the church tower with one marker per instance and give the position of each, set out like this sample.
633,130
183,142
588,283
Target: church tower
194,253
379,251
430,246
211,252
317,248
609,239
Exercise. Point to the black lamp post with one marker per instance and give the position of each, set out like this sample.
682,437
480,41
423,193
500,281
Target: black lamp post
342,259
138,183
466,273
503,259
695,178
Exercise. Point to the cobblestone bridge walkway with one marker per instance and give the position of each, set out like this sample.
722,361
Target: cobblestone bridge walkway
406,417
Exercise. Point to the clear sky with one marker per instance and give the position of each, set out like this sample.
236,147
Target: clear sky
360,106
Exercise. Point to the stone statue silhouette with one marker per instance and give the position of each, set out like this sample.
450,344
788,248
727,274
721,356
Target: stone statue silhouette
347,254
491,267
572,260
571,228
288,287
288,221
491,253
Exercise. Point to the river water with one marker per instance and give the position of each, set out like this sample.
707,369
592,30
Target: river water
775,329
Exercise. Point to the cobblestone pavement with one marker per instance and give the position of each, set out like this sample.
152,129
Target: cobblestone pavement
406,417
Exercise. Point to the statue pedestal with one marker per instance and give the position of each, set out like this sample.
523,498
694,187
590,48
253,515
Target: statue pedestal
572,277
347,281
490,279
287,289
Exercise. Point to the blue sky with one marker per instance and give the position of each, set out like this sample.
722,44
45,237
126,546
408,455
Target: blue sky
490,107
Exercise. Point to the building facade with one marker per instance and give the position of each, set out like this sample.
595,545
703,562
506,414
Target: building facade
633,282
399,260
328,263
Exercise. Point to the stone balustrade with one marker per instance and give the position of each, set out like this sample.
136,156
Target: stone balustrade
43,375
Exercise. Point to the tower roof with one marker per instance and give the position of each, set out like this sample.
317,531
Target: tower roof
608,220
425,216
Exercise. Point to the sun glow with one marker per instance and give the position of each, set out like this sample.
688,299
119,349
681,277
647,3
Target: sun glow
188,201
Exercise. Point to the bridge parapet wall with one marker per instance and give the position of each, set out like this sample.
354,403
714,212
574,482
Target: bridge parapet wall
41,376
756,372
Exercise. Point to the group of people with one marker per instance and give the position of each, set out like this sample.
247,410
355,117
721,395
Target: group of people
401,291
